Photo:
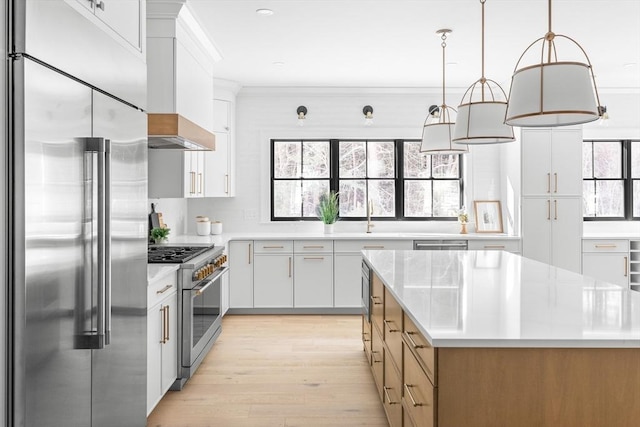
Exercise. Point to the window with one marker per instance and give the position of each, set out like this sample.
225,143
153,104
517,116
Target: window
418,187
611,180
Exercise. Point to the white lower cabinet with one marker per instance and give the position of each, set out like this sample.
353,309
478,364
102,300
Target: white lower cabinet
494,245
313,284
347,280
273,281
240,274
162,345
606,260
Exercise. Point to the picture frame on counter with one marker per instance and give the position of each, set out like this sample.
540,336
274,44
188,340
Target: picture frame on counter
488,215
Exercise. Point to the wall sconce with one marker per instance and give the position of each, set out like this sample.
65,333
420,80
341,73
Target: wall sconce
434,111
368,115
302,114
604,116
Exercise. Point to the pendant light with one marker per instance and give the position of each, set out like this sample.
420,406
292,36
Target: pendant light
551,92
438,128
482,109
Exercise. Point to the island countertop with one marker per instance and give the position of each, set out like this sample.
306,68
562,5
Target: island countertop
499,299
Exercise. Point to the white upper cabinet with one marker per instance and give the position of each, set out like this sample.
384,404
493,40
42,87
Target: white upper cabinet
551,162
220,165
123,17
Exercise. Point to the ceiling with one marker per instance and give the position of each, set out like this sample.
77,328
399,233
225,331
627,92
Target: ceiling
393,43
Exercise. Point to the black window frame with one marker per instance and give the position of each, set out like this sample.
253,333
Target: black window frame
334,179
625,160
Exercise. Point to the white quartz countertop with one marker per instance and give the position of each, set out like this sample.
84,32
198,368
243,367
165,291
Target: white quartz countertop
613,235
158,271
499,299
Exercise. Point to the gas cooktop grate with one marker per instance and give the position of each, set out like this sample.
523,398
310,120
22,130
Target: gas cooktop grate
174,254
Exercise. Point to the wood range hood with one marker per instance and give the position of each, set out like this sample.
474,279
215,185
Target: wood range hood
173,131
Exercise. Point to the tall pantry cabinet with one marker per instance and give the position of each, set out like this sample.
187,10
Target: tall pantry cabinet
552,196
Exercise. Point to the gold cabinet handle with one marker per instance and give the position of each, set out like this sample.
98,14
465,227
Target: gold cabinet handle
606,246
555,178
548,210
201,190
166,313
374,300
494,246
555,208
249,257
373,357
313,247
548,183
163,290
373,247
626,266
364,337
314,258
163,325
388,323
289,266
226,183
407,388
411,341
273,247
192,184
386,395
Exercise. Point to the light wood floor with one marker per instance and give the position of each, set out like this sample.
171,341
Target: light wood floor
285,371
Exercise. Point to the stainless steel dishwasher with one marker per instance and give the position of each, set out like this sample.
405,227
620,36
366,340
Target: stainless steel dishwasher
439,245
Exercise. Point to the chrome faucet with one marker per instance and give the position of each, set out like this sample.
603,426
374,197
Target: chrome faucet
369,213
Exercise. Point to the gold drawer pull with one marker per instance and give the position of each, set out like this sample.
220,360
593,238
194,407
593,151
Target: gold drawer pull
606,246
494,246
626,266
273,247
388,323
163,290
386,394
317,258
411,341
373,247
374,300
373,358
407,388
313,247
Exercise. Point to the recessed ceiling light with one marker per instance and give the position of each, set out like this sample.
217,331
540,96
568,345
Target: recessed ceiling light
452,63
278,63
264,12
630,65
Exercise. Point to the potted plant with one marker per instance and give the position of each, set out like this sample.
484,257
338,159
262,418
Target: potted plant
328,209
463,218
160,235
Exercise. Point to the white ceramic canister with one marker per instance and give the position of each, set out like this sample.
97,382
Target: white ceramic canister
216,227
203,226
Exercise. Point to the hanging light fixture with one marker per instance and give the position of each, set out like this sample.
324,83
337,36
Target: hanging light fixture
552,92
301,111
368,115
438,126
481,112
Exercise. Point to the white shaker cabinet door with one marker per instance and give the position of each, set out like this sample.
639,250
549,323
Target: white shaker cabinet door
566,233
609,267
154,356
313,280
273,281
536,229
170,345
348,280
241,274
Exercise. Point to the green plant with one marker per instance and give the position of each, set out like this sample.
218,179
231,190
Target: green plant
328,207
159,234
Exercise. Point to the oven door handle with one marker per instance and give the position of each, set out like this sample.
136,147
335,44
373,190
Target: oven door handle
202,287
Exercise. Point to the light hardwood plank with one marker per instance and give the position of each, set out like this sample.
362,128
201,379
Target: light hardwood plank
279,371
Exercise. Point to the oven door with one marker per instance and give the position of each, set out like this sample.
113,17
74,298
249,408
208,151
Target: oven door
201,318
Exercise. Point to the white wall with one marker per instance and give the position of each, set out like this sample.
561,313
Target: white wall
265,113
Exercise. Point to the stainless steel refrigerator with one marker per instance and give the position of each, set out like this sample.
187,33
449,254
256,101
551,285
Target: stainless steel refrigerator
77,221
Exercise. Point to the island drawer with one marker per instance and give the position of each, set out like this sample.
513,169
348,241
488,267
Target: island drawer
273,246
419,345
613,245
160,288
360,245
366,338
313,246
392,395
377,360
419,393
393,329
377,303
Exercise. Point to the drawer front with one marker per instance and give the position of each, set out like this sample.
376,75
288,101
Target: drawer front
496,245
272,246
366,338
377,303
377,360
419,393
424,351
313,246
393,329
359,245
161,288
392,395
592,245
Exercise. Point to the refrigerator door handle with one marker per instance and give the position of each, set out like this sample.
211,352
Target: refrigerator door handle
98,338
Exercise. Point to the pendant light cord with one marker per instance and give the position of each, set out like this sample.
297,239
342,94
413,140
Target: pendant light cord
444,45
482,79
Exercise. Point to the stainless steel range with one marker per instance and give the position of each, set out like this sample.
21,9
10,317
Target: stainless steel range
199,297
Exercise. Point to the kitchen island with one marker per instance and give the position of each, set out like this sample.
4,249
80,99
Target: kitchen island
489,338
